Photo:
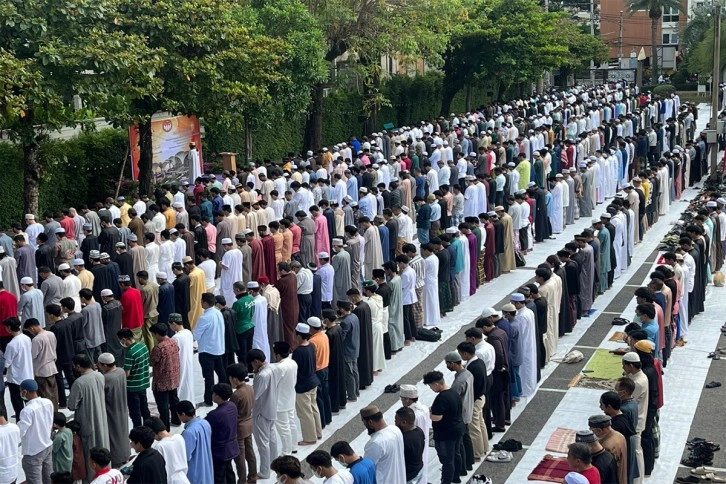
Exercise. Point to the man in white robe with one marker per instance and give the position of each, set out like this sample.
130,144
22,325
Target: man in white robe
166,253
556,219
385,447
620,244
260,340
665,191
373,253
463,275
375,303
71,284
185,341
231,270
432,314
549,290
524,322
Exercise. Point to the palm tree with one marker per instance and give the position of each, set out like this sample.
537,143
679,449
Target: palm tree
655,10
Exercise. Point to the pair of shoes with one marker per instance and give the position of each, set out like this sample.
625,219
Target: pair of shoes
480,479
498,429
510,445
500,456
713,384
392,389
714,355
688,479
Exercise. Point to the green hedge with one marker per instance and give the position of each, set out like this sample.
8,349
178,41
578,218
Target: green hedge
84,169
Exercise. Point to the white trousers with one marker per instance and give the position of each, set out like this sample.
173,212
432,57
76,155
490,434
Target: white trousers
287,430
263,431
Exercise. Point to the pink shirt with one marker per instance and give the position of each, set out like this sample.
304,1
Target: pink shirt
211,231
296,236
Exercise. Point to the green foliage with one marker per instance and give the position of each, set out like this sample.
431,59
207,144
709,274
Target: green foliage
700,57
83,169
664,90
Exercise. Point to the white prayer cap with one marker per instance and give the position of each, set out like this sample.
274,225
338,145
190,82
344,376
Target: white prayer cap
595,221
451,230
177,205
409,391
393,157
337,242
60,230
472,154
104,255
394,179
79,262
489,312
593,158
253,285
517,297
531,184
2,250
310,153
95,254
249,232
28,281
404,209
106,359
363,190
559,175
29,216
722,201
64,267
348,198
161,275
606,216
323,255
106,293
120,245
226,241
121,198
573,169
374,165
173,231
302,328
511,163
582,164
133,238
314,322
711,204
353,204
520,192
446,143
509,307
325,149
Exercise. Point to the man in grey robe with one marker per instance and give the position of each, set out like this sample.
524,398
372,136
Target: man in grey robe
111,317
395,308
587,274
25,258
352,242
585,201
117,410
341,272
307,239
30,304
87,400
8,273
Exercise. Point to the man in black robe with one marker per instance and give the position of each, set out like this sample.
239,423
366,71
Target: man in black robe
113,269
571,263
329,215
181,293
102,278
44,254
166,298
541,223
365,357
108,238
336,363
444,276
125,262
111,317
90,242
498,244
392,227
613,260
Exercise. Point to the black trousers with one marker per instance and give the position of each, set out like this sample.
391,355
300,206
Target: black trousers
244,341
166,403
223,472
305,303
64,369
138,407
15,399
211,364
409,323
647,442
500,398
323,397
467,451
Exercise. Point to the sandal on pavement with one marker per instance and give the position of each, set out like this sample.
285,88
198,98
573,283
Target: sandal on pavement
713,384
688,479
702,470
501,456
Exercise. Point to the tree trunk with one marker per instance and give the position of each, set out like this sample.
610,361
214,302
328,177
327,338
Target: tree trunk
314,124
654,51
31,177
146,155
248,141
469,90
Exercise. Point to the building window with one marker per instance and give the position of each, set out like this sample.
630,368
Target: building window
670,15
670,39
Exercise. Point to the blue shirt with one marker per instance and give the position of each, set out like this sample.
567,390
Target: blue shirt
363,471
651,328
210,332
198,439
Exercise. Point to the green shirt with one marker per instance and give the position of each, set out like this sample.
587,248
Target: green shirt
137,364
62,450
244,311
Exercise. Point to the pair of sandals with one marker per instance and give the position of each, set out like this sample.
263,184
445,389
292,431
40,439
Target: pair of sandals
392,389
701,474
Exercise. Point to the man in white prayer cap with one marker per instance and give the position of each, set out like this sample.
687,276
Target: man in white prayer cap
30,304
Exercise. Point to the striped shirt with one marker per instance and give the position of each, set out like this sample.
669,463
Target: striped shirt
137,364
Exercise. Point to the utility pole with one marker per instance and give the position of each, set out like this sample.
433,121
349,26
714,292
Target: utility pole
592,31
620,38
715,81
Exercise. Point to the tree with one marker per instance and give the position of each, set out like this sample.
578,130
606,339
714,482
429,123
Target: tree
51,50
213,65
655,10
700,57
368,29
506,40
582,47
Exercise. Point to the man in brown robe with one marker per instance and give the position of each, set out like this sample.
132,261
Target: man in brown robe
268,253
258,261
287,286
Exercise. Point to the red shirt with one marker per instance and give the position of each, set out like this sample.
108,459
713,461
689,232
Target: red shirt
132,314
164,358
8,309
69,225
592,475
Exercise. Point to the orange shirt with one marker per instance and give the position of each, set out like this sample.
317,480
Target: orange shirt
322,350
